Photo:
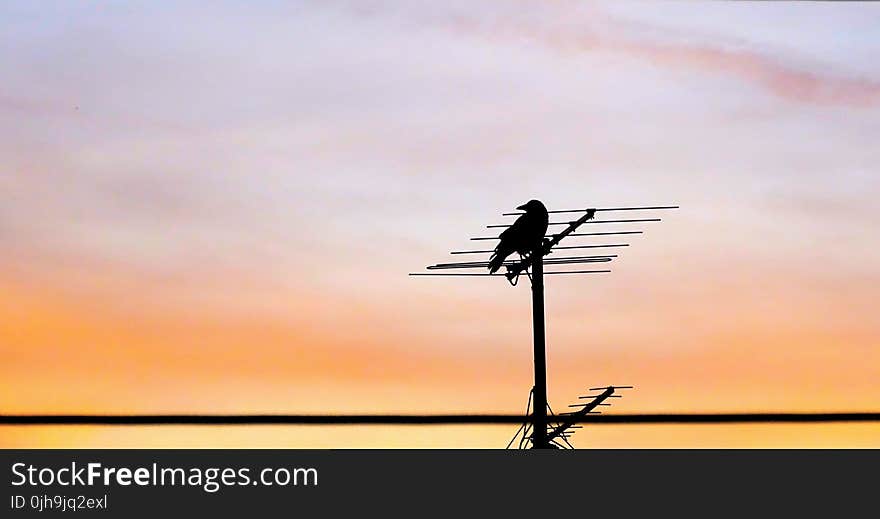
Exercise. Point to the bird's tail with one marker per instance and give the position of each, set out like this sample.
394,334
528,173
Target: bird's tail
495,262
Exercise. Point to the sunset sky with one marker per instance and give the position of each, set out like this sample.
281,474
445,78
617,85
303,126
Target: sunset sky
212,207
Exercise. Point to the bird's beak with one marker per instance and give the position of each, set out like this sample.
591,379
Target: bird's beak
522,207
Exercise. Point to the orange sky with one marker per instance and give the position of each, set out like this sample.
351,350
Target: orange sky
219,217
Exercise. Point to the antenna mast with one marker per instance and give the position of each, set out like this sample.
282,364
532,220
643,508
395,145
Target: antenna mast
539,419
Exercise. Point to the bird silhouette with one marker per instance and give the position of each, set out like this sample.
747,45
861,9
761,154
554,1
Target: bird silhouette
524,236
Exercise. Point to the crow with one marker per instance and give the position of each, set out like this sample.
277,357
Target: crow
525,235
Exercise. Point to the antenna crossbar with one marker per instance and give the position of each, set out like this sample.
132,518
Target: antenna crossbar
633,220
551,236
603,209
611,245
563,260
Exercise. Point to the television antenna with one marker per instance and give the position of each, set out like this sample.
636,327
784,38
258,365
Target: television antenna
542,428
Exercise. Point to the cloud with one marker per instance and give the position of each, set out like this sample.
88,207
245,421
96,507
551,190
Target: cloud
797,85
567,28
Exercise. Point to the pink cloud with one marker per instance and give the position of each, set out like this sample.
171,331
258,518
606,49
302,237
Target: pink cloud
798,85
590,30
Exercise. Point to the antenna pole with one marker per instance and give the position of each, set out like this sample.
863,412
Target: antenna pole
539,434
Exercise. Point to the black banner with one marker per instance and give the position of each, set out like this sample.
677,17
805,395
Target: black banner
411,483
